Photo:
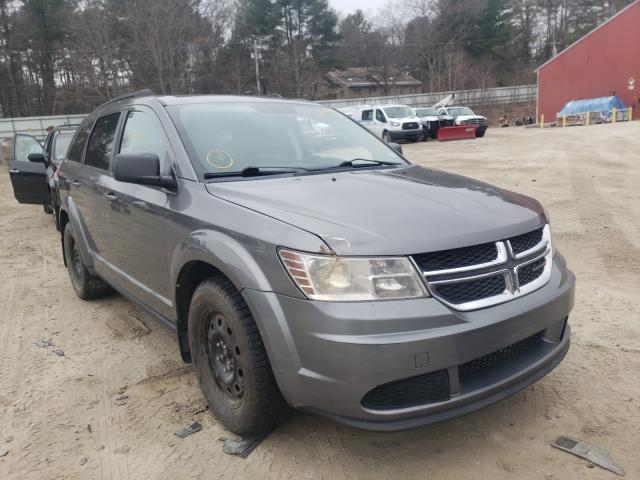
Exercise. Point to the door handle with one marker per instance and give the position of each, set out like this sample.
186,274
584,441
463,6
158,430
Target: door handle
75,183
13,170
111,196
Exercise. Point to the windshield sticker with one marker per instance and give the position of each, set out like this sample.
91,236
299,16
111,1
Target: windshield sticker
219,159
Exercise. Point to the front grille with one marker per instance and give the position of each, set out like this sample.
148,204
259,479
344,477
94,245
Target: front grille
499,357
526,241
529,272
475,121
410,126
464,277
457,257
471,290
409,392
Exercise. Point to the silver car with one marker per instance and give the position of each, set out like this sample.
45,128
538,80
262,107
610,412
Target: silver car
312,267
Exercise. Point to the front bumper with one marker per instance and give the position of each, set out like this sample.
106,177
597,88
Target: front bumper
411,135
327,356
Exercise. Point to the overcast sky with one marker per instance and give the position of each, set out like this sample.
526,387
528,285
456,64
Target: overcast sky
345,7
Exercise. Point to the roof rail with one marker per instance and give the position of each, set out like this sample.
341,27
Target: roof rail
140,93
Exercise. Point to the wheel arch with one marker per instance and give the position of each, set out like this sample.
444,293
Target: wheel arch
200,256
63,219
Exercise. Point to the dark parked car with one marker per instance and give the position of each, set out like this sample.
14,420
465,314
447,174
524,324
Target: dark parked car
33,167
312,267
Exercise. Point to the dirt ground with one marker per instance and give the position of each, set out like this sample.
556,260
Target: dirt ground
109,407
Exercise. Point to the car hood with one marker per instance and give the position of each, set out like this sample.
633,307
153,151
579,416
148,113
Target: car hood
388,212
469,117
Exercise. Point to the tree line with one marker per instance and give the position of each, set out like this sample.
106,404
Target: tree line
67,56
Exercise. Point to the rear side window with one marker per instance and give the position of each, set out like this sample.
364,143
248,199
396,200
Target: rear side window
144,134
101,142
75,152
367,115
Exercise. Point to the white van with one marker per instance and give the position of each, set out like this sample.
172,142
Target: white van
389,122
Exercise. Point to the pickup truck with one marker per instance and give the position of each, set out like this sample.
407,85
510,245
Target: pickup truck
466,116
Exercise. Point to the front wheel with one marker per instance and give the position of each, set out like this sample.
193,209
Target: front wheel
231,362
480,134
48,209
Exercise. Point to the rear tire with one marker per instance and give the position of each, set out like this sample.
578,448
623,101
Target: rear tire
47,209
231,362
86,286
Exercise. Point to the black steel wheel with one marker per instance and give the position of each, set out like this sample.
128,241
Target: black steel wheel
231,362
225,357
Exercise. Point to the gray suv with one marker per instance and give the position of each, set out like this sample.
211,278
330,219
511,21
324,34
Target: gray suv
303,262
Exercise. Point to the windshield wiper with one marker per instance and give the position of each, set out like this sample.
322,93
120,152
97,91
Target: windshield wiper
353,163
255,172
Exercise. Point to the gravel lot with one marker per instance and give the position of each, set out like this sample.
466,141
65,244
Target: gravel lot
109,407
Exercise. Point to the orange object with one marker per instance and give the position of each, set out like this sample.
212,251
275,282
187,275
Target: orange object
456,133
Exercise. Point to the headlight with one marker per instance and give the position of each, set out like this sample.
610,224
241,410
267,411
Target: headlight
464,122
345,279
394,124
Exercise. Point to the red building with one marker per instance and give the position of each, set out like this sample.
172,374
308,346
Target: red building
604,61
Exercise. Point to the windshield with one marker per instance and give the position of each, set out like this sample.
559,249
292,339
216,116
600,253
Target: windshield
223,138
61,144
398,112
425,112
457,111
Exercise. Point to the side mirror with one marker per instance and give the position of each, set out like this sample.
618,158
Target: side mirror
37,157
143,169
396,146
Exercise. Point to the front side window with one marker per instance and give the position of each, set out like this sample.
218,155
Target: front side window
380,116
101,140
282,134
144,134
23,145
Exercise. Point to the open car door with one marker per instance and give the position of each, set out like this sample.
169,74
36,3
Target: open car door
29,178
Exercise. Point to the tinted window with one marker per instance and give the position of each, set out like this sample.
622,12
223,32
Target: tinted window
380,116
367,115
75,152
101,142
143,133
24,145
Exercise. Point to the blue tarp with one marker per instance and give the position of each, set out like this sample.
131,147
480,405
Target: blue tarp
602,104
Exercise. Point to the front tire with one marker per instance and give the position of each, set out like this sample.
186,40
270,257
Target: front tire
48,209
86,286
480,134
231,362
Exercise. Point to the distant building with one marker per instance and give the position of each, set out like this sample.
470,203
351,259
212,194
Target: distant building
367,82
604,62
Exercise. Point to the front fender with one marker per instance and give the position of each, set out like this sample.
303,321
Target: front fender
232,258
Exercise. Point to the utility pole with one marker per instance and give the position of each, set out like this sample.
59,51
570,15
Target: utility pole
255,56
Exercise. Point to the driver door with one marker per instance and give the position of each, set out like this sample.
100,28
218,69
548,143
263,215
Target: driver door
28,179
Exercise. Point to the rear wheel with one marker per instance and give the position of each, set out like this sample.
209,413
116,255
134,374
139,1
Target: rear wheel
86,286
47,209
230,360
